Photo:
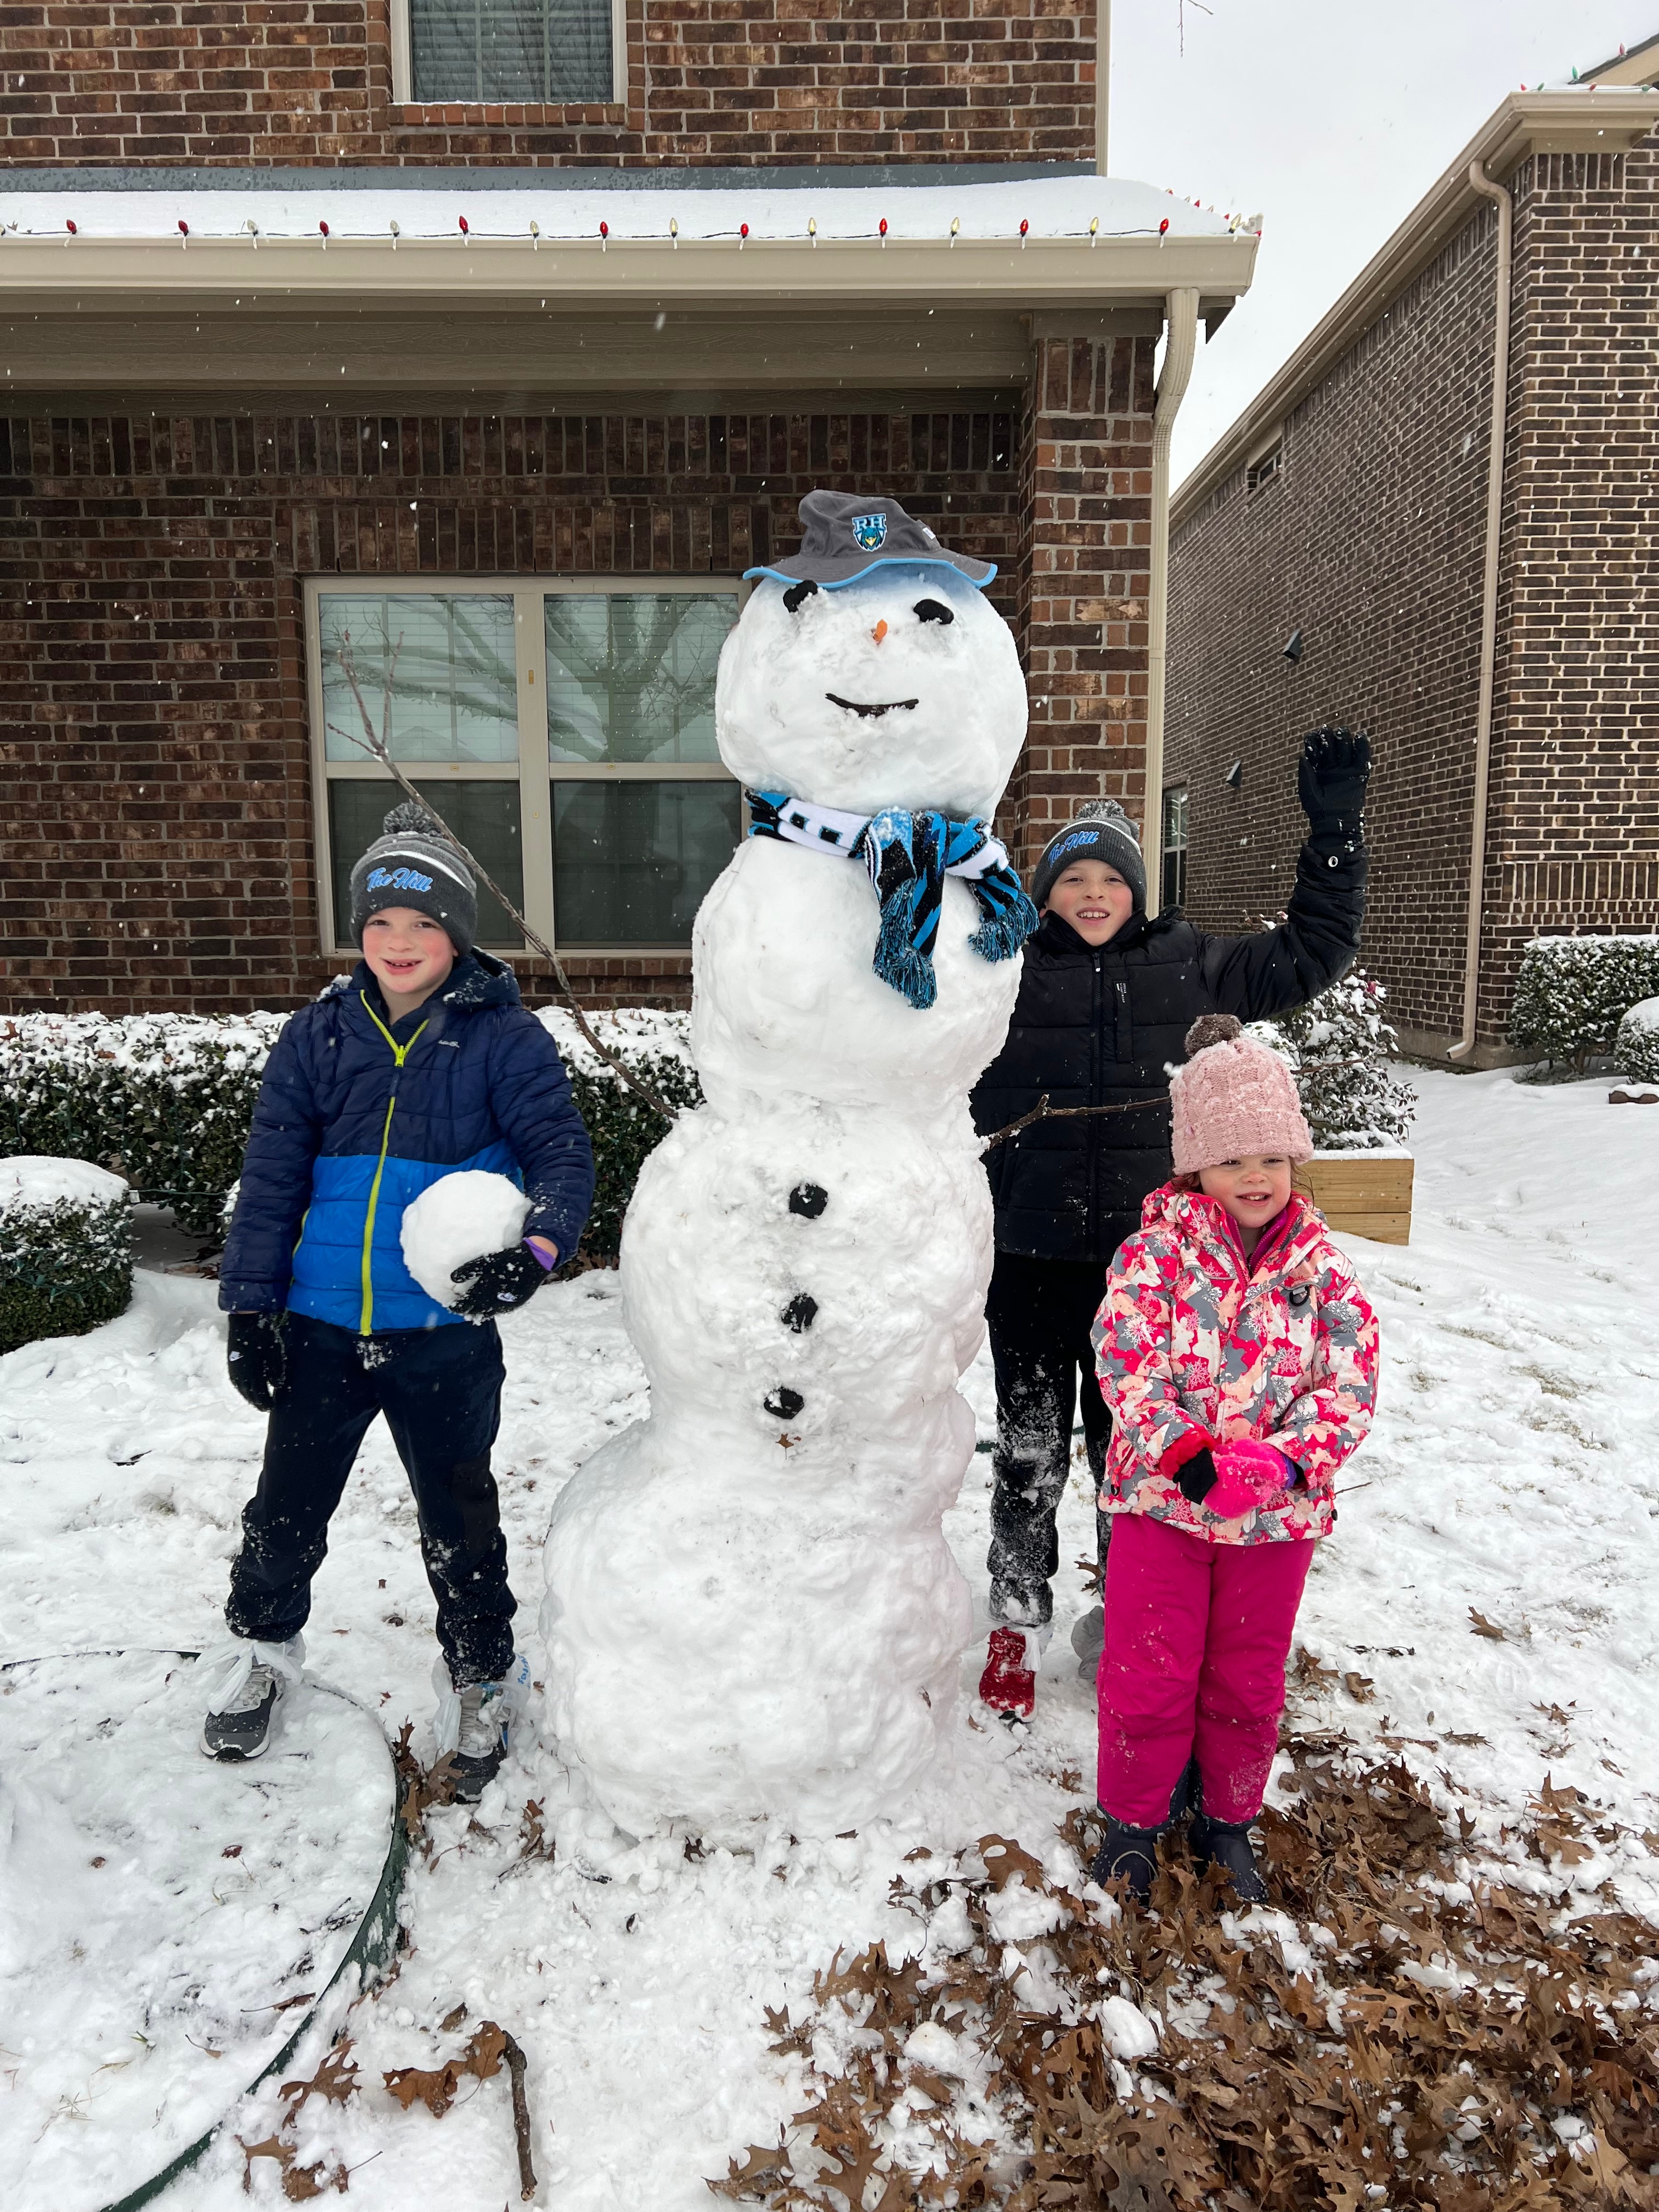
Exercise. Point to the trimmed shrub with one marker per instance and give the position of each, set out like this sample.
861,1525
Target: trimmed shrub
65,1249
167,1101
1636,1047
1349,1108
624,1130
164,1100
1573,992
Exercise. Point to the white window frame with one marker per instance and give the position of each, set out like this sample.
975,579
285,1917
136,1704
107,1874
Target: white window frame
534,772
403,60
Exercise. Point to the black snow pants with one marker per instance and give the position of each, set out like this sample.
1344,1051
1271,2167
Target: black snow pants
440,1391
1039,1314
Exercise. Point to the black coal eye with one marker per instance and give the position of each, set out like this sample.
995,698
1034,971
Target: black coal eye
797,593
934,610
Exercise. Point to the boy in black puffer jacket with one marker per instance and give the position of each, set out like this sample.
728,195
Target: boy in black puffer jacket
1106,996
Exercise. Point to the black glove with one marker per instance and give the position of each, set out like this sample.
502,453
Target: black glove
1198,1478
259,1358
1336,766
498,1282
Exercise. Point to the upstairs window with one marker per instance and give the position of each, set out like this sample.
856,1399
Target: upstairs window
1266,466
1175,850
541,52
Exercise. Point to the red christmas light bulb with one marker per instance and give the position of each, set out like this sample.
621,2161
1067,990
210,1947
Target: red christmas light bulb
184,227
465,233
1023,226
1164,226
71,227
323,227
882,226
743,230
604,230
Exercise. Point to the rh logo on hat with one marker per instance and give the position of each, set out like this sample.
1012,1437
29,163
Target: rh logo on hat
871,532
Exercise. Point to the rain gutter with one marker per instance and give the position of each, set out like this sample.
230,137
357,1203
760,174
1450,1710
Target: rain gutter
1178,354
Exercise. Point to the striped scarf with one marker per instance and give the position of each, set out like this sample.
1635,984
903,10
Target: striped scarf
908,857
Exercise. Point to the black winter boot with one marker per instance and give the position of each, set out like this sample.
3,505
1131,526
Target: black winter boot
1225,1845
1130,1854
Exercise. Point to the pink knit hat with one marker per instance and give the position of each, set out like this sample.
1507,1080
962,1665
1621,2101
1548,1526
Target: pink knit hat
1233,1097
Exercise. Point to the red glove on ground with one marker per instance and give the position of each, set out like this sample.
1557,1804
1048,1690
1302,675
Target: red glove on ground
1246,1475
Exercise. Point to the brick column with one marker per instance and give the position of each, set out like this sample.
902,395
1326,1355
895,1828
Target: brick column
1087,511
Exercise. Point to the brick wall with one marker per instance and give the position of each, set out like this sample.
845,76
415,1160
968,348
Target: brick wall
1086,506
92,82
1575,821
155,781
1369,538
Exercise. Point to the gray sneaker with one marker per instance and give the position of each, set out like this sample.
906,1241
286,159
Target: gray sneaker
241,1727
482,1745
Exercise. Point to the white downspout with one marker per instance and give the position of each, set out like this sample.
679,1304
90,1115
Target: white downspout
1500,383
1171,386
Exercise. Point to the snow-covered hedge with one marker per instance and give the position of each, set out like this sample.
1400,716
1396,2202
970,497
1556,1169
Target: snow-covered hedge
1636,1047
165,1100
65,1249
1358,1108
656,1047
1573,992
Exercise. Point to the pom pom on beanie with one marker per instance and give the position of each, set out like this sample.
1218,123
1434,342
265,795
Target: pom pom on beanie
1233,1098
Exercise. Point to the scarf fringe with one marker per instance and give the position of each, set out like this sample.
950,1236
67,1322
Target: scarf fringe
1001,934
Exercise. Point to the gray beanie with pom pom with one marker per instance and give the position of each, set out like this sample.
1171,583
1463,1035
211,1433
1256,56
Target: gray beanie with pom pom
1100,830
415,865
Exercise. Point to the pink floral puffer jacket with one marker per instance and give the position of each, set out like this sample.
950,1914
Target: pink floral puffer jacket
1196,1346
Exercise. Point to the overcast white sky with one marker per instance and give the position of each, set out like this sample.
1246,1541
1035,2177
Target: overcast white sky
1332,118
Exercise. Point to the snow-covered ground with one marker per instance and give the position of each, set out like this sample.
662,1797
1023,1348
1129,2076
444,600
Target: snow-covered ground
1513,1475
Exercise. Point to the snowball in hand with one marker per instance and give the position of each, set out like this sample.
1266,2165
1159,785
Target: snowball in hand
458,1218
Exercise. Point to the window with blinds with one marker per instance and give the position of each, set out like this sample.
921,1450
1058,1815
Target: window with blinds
541,52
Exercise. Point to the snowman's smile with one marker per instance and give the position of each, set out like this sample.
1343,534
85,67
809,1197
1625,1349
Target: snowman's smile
870,706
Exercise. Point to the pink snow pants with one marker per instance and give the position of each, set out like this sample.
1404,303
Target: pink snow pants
1196,1639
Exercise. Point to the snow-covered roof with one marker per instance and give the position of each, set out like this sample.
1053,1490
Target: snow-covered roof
404,207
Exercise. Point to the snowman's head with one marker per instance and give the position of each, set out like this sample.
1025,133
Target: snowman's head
899,687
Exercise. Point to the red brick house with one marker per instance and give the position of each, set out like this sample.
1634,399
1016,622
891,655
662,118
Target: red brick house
1484,603
413,319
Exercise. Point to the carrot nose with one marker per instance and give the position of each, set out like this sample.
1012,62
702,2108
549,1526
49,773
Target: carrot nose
880,632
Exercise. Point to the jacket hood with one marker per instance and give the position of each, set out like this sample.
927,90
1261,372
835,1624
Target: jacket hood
1199,1219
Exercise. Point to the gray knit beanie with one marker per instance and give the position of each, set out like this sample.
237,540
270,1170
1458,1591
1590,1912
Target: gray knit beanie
1100,831
415,865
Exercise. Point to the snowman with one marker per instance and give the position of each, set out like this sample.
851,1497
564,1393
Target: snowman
751,1611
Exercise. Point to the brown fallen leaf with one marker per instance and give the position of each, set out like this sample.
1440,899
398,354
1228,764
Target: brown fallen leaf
1485,1627
1360,1688
435,2087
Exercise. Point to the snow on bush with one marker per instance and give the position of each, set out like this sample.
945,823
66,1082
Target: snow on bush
166,1100
458,1218
163,1099
1572,992
1357,1107
655,1046
65,1249
1636,1047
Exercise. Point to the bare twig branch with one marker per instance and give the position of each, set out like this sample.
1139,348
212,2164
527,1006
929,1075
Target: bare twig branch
515,2066
377,747
1043,1111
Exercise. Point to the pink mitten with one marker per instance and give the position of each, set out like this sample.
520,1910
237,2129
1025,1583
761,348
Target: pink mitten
1247,1475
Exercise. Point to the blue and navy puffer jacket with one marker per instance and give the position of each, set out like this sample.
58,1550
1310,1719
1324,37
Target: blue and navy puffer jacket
358,1114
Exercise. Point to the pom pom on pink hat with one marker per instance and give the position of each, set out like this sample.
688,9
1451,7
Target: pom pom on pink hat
1234,1097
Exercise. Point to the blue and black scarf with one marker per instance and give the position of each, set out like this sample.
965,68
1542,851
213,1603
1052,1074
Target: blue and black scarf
909,856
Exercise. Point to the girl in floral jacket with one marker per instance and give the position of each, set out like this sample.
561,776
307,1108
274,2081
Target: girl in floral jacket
1238,1355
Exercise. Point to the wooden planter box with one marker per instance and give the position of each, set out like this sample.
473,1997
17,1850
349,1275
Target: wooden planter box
1366,1194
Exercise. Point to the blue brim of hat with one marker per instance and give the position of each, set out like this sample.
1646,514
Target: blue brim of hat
882,560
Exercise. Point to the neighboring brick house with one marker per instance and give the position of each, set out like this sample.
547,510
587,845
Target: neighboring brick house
407,318
1351,502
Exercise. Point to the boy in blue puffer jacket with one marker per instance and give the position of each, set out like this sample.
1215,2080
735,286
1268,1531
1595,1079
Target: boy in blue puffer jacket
422,1063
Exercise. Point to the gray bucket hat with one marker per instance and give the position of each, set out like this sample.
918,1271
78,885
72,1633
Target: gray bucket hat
847,534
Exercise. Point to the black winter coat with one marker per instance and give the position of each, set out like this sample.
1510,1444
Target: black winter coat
1097,1027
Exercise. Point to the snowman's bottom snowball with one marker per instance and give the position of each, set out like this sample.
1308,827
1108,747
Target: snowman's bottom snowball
760,1655
458,1218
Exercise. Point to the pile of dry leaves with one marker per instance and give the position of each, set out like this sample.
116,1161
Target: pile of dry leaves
1390,2036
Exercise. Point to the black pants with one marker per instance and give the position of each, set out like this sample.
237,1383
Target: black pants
1039,1314
440,1391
